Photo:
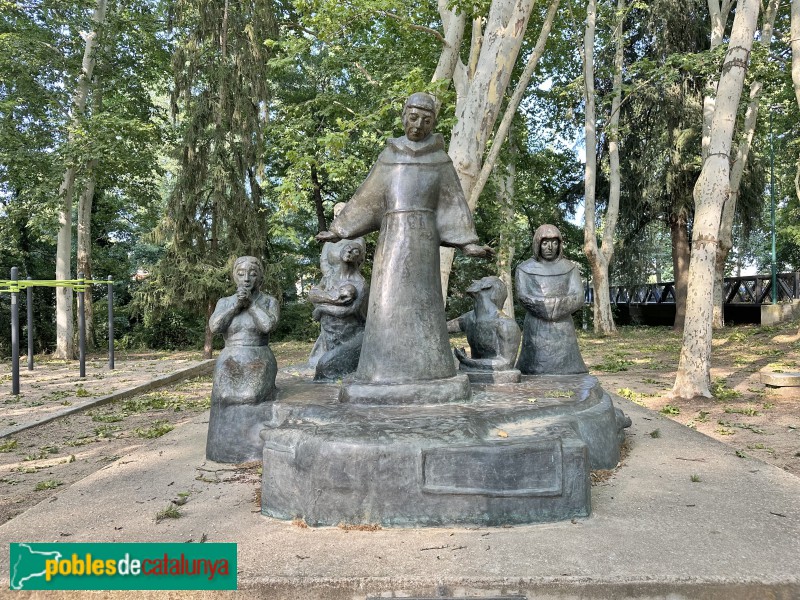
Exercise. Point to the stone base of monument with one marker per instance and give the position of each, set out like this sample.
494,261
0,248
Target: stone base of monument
508,376
511,454
233,432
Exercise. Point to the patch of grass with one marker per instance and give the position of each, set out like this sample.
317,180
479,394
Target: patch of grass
152,401
170,512
159,428
82,392
723,431
651,381
629,394
671,347
614,363
767,405
8,445
42,453
748,411
106,431
655,434
695,478
108,418
747,426
720,391
669,409
740,335
82,441
55,396
702,417
761,447
740,454
48,484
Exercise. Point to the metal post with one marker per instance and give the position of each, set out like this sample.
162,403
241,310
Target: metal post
772,208
29,297
81,328
14,336
110,324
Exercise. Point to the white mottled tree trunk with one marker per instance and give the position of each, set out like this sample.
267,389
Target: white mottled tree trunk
795,35
84,246
710,193
795,29
505,176
743,147
600,257
64,322
480,86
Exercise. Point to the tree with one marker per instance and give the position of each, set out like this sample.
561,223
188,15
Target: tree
710,193
480,85
743,147
216,209
64,324
600,257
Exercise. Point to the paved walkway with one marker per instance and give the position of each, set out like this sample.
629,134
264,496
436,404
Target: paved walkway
54,389
734,533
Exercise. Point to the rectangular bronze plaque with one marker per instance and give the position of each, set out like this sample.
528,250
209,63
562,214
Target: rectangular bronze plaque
528,467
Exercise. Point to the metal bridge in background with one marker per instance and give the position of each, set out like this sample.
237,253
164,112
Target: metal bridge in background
654,303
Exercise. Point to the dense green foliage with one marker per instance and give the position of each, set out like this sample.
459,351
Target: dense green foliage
224,128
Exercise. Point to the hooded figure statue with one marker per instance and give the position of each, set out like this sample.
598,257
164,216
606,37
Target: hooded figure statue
549,287
413,197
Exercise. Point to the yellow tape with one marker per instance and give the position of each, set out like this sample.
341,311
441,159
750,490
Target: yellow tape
79,285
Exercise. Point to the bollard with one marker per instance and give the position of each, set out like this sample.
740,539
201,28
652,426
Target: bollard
14,336
81,328
29,298
110,324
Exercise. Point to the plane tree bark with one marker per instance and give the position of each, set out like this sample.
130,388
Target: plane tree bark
64,314
710,193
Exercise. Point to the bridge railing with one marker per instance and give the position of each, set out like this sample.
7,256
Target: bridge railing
751,289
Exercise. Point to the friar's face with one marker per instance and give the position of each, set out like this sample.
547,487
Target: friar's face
418,123
549,249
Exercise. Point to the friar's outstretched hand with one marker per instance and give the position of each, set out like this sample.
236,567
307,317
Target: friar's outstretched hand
477,251
327,236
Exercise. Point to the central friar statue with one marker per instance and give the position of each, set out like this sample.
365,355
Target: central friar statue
413,197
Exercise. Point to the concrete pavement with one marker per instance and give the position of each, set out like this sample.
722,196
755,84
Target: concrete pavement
653,533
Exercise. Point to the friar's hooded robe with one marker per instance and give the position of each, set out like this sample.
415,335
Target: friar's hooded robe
413,197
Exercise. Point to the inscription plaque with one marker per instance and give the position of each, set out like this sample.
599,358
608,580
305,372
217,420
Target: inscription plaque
532,468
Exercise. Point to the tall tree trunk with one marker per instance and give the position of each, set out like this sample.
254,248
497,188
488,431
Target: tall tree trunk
600,257
317,192
505,251
710,193
65,347
679,232
85,247
480,87
737,170
84,242
795,35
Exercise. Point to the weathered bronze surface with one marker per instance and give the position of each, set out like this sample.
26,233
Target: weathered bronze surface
549,287
340,306
492,335
413,197
244,376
